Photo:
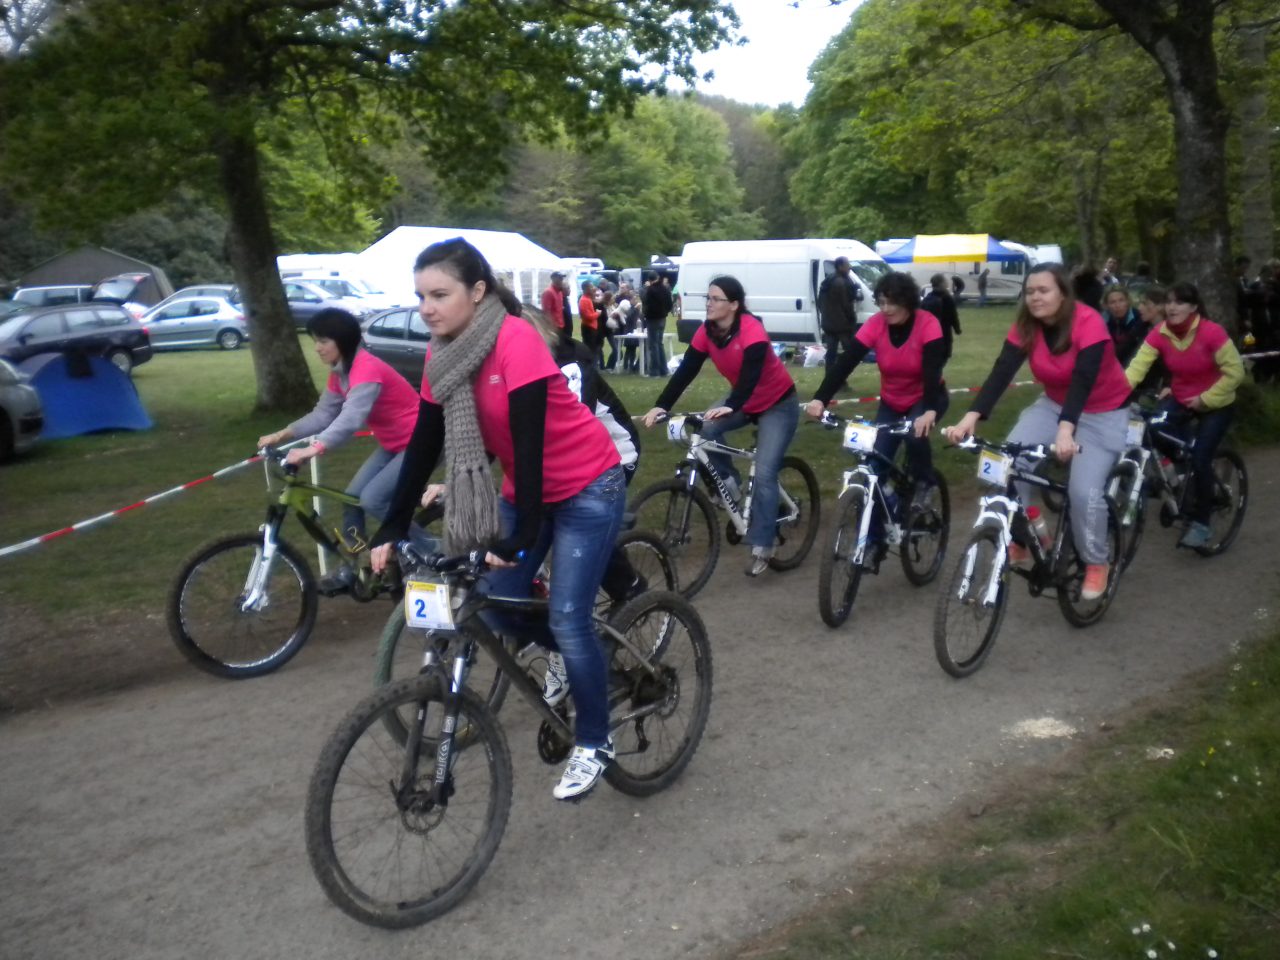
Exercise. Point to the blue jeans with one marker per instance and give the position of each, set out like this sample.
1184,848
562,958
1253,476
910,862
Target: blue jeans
777,427
655,355
374,483
919,452
580,532
1207,429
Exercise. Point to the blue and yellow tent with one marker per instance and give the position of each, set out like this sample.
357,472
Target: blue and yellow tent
953,248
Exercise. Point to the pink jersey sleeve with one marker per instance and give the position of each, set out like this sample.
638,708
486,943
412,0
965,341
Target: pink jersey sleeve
699,341
930,328
523,355
425,392
1214,335
752,330
1087,328
870,332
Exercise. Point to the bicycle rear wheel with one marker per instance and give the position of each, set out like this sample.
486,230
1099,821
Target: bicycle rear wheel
798,526
685,521
206,608
1070,574
839,576
925,533
965,624
657,719
383,851
1230,499
1132,517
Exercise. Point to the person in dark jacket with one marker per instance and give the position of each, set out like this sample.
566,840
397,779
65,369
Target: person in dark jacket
656,303
836,306
1087,286
940,303
1126,327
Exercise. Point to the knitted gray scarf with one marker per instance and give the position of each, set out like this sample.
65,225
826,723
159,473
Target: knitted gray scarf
471,508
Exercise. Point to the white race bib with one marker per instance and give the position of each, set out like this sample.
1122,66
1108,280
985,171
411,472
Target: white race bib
994,467
675,430
427,606
860,437
1133,437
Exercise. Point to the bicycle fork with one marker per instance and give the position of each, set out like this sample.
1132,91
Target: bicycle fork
254,595
990,513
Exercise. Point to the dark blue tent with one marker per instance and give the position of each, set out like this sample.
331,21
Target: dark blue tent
81,394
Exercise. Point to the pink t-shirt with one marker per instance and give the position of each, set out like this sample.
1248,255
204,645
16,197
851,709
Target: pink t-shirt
774,380
1194,370
901,368
395,411
576,448
1110,390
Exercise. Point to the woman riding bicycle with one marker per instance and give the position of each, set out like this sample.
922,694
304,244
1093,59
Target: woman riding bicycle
1083,411
490,386
762,391
361,389
1204,369
910,352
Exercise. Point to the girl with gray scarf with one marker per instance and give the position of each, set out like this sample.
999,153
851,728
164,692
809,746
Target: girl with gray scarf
492,388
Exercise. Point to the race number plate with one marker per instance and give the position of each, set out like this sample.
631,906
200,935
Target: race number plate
675,429
427,606
1134,435
994,467
860,437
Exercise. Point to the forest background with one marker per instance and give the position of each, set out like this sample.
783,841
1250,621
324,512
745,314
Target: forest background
1035,121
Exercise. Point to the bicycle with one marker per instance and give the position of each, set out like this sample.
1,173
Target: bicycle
971,609
411,793
920,538
693,539
244,605
1143,472
398,657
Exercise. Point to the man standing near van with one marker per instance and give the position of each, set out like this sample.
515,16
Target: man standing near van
836,307
656,303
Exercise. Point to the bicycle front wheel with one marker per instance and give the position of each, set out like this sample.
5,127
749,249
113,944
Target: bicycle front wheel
839,576
797,521
685,520
223,625
1130,511
657,718
1230,499
925,533
967,618
384,851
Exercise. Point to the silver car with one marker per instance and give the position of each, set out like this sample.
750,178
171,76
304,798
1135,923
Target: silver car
196,322
21,416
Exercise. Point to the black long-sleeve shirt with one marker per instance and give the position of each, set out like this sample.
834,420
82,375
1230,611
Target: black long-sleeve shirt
933,358
527,416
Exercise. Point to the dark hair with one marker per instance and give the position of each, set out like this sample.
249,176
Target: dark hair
465,263
1155,293
1143,269
734,291
1028,325
939,282
842,261
900,289
1188,293
340,327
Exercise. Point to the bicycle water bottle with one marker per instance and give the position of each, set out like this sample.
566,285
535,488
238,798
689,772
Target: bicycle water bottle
1038,526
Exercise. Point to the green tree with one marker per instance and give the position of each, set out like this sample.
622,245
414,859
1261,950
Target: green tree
126,99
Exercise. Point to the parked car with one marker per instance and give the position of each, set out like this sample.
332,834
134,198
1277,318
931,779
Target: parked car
123,289
228,291
195,322
306,300
347,288
102,329
21,416
399,337
53,295
12,306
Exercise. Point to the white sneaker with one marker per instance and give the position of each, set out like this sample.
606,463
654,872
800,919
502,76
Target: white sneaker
583,771
555,685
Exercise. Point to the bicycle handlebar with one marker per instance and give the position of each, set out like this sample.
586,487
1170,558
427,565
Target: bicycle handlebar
833,421
469,564
1031,451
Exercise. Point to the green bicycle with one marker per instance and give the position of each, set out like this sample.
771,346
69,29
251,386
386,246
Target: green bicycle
244,605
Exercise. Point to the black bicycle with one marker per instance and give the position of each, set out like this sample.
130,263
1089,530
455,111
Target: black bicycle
971,607
410,797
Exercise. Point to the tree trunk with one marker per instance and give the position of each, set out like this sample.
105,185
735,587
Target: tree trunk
1257,220
284,380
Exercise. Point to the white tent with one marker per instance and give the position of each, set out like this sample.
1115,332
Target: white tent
516,260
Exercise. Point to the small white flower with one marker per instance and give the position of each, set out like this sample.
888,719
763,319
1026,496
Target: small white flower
1137,931
1146,928
1234,778
1170,945
1212,954
1152,954
1218,793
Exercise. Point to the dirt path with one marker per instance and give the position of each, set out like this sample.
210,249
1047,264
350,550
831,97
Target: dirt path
166,820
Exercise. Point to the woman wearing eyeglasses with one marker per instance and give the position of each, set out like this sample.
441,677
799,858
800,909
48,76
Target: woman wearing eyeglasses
1204,369
762,391
910,352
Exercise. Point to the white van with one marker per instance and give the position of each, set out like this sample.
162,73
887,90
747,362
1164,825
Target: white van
781,278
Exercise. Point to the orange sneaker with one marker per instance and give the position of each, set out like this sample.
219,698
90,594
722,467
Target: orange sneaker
1095,580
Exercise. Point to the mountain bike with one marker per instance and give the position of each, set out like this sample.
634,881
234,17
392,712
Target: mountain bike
685,518
875,514
400,651
1157,464
244,605
411,793
971,608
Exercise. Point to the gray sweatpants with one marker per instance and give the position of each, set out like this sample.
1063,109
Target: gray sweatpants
1101,438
